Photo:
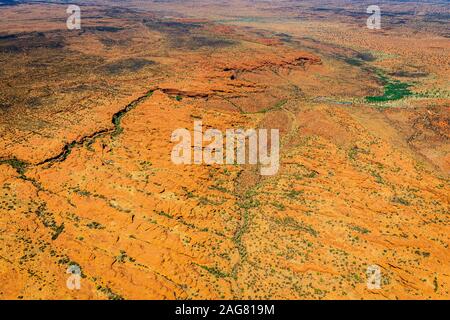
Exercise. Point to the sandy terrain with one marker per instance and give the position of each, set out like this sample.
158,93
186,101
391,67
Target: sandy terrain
86,176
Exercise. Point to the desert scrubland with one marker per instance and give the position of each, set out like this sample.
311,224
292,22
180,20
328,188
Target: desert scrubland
86,176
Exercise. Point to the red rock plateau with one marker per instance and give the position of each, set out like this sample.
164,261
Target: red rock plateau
86,176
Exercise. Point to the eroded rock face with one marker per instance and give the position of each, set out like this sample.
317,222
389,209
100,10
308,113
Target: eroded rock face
87,179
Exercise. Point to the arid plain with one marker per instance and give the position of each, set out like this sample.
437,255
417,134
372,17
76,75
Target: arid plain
86,176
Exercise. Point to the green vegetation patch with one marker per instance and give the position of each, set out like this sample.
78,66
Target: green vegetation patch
292,223
47,219
95,225
393,90
215,271
109,293
275,107
18,165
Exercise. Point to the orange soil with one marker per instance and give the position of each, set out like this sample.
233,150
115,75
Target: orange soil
358,185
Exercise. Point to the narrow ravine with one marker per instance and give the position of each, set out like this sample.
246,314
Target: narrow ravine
21,166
